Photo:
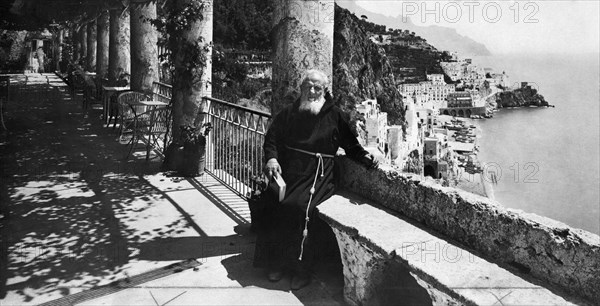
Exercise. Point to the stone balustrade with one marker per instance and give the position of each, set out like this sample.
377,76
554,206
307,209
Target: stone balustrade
535,249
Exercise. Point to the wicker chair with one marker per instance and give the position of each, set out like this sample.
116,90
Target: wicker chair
127,112
113,105
153,129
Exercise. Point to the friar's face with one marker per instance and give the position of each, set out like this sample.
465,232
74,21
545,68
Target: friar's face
313,88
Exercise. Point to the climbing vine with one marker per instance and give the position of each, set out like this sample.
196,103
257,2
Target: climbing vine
190,54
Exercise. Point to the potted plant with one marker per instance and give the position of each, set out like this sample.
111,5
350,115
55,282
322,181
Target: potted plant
194,149
187,154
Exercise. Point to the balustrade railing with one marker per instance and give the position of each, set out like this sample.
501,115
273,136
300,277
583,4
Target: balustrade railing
234,152
162,92
234,147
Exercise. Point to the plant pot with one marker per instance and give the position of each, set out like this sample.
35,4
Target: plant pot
173,157
192,163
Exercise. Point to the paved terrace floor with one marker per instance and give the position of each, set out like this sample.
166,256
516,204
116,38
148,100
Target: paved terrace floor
81,225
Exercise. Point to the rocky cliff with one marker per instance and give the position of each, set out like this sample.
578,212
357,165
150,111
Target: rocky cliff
525,96
361,70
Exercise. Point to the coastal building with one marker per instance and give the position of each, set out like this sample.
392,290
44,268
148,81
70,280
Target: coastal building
375,124
454,70
469,74
436,79
464,104
414,131
460,99
433,90
454,55
500,79
401,145
436,156
473,76
397,148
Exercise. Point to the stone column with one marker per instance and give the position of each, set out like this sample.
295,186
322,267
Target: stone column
144,47
102,46
83,44
91,46
58,50
303,39
188,92
75,44
118,51
190,86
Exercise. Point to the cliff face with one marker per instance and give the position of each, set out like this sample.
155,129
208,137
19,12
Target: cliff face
361,70
520,97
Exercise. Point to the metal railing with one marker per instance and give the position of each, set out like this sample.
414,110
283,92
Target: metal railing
162,92
234,147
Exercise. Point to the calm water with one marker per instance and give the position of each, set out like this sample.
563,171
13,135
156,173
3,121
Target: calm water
549,157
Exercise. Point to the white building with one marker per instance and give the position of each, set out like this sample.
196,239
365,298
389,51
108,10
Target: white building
499,79
375,124
466,72
400,147
454,70
434,90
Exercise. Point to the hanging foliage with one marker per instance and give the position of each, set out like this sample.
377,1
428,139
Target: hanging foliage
185,57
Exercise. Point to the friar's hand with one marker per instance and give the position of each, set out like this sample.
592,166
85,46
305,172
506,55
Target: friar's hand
369,161
272,167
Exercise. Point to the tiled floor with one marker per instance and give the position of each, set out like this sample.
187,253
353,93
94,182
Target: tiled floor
81,225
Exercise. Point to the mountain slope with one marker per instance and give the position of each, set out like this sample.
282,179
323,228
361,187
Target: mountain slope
443,38
361,70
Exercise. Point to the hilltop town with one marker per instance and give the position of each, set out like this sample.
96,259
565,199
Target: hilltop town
437,140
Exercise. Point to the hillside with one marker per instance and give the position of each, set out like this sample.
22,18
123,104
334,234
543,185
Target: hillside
412,57
361,69
442,37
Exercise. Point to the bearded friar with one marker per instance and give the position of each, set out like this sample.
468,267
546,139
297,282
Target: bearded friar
300,146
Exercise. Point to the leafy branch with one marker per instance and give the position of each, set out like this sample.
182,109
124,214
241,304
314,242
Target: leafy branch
175,25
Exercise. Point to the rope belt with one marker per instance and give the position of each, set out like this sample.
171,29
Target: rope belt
321,166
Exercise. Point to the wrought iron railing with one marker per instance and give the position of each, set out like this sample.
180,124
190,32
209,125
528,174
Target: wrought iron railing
162,92
234,147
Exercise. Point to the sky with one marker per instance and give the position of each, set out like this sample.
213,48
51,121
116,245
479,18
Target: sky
508,26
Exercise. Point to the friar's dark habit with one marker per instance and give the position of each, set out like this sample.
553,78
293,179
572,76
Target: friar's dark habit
294,138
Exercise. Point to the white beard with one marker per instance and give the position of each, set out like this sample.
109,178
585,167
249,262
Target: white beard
314,107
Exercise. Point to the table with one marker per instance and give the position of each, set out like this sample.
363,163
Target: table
148,103
108,91
149,125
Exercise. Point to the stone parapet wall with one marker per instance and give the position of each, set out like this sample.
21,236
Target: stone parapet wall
374,276
548,250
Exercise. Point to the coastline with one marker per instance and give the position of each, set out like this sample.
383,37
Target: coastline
476,183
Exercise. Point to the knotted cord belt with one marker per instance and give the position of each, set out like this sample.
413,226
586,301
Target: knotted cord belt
321,166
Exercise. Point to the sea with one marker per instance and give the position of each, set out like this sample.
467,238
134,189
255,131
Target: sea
546,160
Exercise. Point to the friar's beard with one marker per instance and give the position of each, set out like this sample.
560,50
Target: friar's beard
314,107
